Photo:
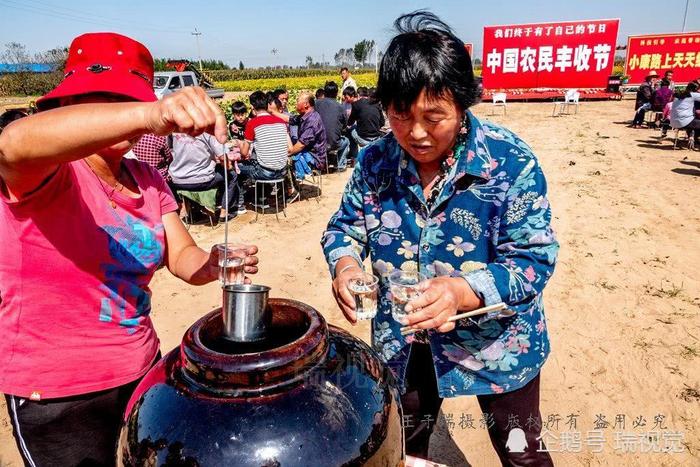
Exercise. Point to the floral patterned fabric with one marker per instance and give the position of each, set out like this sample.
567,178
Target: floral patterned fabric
490,224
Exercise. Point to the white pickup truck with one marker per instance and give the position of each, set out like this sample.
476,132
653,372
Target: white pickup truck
167,82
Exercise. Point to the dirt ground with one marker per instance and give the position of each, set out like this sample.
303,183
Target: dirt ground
622,307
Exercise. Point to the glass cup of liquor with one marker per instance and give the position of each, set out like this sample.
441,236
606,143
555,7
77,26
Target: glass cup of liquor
231,263
364,289
403,286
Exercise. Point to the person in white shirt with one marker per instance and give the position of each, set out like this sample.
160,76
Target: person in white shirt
347,79
683,114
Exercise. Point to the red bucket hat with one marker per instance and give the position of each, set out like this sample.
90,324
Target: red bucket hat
104,62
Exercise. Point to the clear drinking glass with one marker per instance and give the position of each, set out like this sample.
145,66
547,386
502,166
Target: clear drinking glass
364,288
233,258
403,286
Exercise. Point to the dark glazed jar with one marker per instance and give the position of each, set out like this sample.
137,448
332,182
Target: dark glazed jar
308,395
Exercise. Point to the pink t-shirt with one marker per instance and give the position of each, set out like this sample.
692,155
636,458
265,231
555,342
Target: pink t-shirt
74,281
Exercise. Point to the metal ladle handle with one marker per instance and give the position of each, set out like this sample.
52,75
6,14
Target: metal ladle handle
226,207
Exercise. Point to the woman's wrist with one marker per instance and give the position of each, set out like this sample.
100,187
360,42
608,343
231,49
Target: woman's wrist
349,266
145,111
346,263
469,300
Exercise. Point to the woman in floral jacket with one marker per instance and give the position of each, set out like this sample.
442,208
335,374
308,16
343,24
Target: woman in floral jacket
463,202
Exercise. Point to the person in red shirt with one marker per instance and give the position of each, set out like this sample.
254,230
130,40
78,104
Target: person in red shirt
83,231
268,135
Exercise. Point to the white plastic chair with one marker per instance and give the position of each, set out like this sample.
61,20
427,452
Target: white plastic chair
499,100
571,97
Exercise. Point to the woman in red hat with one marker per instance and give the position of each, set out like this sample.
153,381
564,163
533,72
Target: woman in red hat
83,230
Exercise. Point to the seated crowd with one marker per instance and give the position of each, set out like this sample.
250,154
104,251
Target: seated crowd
267,142
673,107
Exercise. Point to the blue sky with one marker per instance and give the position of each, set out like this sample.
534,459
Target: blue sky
249,30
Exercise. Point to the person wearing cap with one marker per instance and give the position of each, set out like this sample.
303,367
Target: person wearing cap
643,101
83,230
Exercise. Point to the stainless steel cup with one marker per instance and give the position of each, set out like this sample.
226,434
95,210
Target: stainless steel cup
245,312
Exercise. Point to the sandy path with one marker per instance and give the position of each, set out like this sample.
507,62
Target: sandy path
622,307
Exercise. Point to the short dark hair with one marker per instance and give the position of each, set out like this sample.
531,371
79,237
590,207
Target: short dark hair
331,89
692,86
239,107
344,69
425,55
10,116
362,91
372,92
272,99
320,93
279,92
350,91
665,82
668,72
259,100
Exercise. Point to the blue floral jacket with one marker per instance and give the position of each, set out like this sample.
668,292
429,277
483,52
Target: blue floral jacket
489,225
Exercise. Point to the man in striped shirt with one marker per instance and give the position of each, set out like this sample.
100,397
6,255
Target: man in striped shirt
267,134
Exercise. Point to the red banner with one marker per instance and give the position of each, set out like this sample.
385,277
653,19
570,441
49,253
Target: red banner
661,53
569,54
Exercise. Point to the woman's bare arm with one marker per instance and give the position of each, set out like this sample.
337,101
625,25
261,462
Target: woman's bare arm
190,263
32,148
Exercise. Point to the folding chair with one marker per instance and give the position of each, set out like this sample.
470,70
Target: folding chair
315,178
199,202
651,117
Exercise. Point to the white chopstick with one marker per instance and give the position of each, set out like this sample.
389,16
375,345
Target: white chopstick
479,311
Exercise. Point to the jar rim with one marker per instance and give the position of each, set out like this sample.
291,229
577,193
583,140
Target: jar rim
262,372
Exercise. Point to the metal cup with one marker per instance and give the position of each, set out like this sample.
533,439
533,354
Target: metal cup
245,312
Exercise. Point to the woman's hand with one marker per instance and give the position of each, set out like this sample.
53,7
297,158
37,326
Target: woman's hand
349,269
188,111
441,298
250,263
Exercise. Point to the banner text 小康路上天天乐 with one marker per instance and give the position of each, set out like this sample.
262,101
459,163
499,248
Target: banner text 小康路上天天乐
679,53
